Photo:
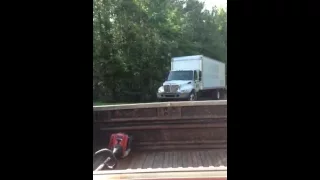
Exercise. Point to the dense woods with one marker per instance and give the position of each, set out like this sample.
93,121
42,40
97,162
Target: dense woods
134,40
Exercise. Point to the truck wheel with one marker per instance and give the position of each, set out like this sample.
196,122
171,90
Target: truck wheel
192,96
218,94
215,95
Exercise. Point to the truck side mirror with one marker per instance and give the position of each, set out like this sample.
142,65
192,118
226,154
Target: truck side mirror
200,78
165,76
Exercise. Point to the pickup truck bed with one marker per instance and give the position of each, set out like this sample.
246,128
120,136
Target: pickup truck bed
176,140
174,159
170,165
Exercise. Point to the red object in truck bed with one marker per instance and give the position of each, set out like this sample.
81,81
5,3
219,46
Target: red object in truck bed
123,141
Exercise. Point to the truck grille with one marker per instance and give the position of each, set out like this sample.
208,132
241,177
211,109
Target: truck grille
171,88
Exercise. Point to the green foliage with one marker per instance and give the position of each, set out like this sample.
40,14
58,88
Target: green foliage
134,40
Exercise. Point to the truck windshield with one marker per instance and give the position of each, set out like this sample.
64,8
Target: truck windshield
180,75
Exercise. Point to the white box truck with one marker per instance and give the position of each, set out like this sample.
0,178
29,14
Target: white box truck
192,77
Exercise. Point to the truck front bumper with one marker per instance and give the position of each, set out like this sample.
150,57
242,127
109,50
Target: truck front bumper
173,95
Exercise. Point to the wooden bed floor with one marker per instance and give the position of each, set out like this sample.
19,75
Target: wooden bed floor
174,159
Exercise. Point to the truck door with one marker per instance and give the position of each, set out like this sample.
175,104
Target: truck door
196,80
200,80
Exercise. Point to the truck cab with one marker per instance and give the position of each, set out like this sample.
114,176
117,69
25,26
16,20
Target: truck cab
180,84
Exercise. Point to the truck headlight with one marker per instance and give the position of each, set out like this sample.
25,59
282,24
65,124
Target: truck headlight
161,89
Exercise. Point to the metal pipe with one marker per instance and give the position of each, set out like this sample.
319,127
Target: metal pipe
109,157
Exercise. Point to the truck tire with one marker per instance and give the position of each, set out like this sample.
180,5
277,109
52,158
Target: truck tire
192,96
223,94
216,94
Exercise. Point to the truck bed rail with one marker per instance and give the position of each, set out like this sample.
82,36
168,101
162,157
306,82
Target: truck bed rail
159,105
200,173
